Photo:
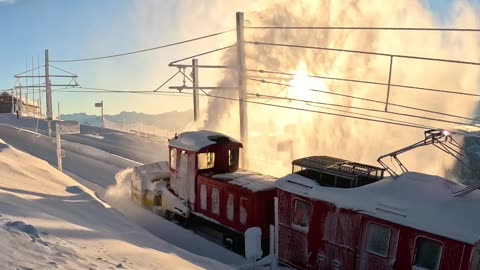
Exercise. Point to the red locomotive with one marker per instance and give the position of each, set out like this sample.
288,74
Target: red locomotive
332,214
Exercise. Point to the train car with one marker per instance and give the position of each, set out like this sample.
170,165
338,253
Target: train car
201,185
336,214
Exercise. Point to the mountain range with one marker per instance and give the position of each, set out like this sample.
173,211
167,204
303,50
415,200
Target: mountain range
173,121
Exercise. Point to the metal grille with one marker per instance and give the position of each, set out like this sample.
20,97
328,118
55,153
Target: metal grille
336,166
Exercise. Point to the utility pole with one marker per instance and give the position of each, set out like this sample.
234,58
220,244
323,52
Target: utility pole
242,87
48,95
59,147
58,111
195,90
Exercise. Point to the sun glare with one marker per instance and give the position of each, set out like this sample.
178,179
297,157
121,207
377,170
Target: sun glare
303,85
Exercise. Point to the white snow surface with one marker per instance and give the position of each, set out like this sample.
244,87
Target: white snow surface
252,181
48,220
195,141
415,200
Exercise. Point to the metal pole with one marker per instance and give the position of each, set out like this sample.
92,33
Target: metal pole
33,91
195,89
26,82
242,83
389,80
39,87
48,95
103,121
59,147
275,258
58,110
13,102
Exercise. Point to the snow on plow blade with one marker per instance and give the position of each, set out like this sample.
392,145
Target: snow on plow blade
150,188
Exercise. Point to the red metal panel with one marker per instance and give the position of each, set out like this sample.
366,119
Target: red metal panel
256,205
335,234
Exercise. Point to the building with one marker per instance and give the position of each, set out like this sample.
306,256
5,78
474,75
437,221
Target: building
27,108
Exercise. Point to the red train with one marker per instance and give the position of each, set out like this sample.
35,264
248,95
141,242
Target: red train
332,214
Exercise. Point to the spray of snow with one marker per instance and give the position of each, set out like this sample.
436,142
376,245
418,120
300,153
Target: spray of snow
120,192
305,133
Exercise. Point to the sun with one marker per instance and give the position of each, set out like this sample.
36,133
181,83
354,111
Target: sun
304,86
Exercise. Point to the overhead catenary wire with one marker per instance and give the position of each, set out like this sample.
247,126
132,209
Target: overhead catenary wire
309,102
202,54
123,92
319,112
143,50
363,52
360,81
364,28
365,99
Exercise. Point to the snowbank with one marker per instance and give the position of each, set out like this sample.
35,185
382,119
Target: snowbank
48,220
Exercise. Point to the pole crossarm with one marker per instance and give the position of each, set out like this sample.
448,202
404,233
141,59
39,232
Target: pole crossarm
51,76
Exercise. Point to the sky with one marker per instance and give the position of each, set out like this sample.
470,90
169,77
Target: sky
89,28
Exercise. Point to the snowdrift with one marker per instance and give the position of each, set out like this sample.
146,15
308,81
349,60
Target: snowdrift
48,220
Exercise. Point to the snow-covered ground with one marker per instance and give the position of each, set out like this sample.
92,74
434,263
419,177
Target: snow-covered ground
48,221
96,169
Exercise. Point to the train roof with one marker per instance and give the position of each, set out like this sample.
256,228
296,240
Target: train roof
197,140
414,200
252,181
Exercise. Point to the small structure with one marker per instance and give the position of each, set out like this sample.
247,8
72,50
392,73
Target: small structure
27,107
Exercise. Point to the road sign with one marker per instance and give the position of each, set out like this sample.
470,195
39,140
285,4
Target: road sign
99,104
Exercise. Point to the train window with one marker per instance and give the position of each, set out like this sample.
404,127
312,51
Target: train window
173,158
378,239
215,201
428,254
206,160
302,212
476,259
203,197
230,207
243,210
233,157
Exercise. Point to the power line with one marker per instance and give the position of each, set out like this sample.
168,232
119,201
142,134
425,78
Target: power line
124,92
361,81
320,112
364,28
366,99
344,111
357,108
202,54
143,50
363,52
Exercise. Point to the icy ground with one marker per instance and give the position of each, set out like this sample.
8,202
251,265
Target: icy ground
49,221
96,168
